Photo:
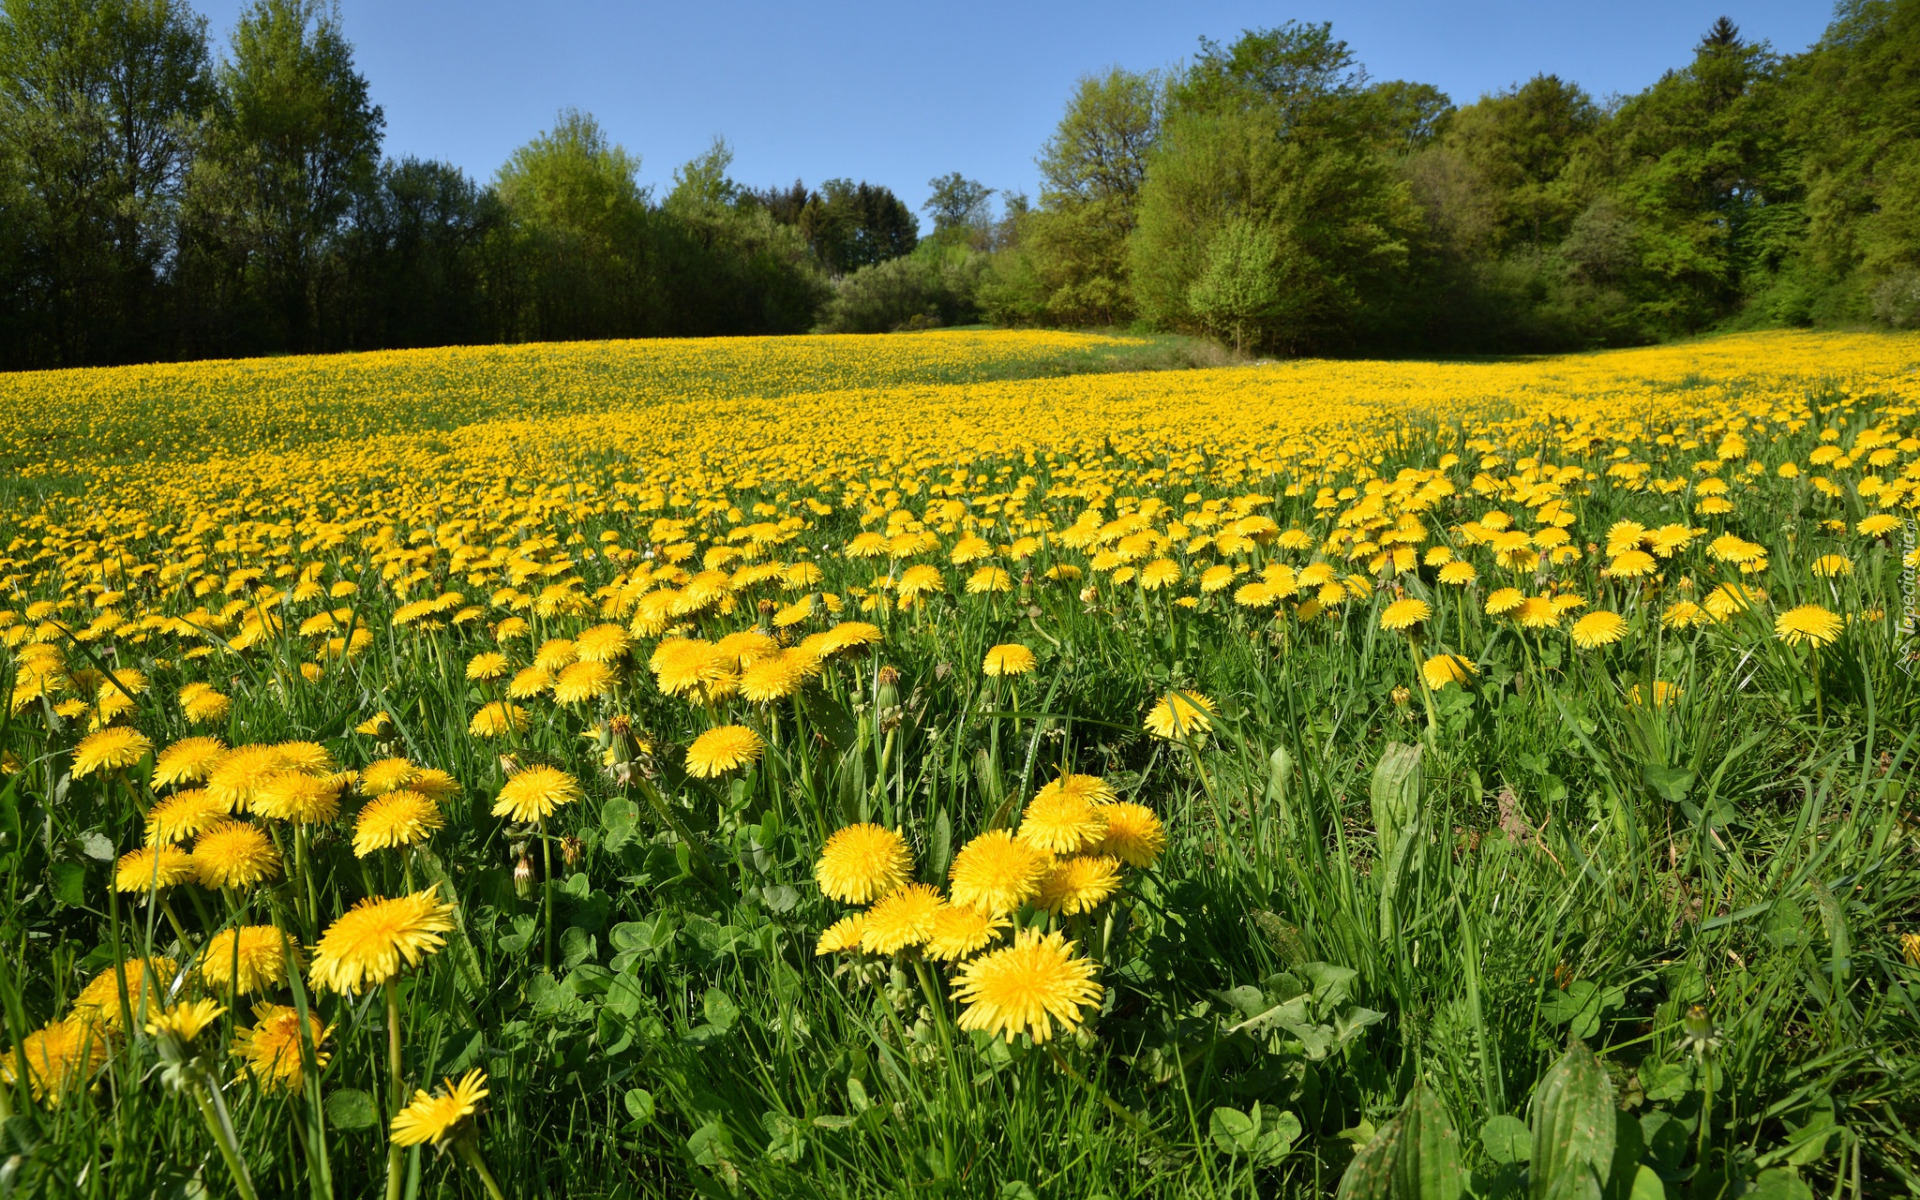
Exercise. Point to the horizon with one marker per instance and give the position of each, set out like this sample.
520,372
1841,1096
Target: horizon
491,85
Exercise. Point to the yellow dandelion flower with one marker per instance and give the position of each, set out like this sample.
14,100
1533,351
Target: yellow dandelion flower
1632,564
435,1119
1536,612
386,775
1026,987
1160,573
848,635
111,749
298,797
534,794
147,981
181,816
435,784
1877,524
1134,834
250,958
489,664
603,644
1831,566
398,818
681,665
155,867
234,854
1009,659
59,1056
900,919
1664,694
555,654
997,873
1504,601
1090,788
529,682
1404,614
189,760
1683,614
185,1020
497,719
1181,715
1809,623
1079,884
240,772
842,936
960,932
370,941
272,1049
777,676
1598,629
988,580
1063,821
862,863
202,705
584,680
722,749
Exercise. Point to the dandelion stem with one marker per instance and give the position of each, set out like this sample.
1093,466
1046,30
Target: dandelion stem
470,1152
546,890
222,1130
394,1152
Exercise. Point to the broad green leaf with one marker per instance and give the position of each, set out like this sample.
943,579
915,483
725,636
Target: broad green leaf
720,1009
1507,1139
1573,1127
351,1109
1415,1156
639,1105
1233,1131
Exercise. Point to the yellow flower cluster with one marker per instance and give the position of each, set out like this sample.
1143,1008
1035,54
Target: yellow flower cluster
1064,861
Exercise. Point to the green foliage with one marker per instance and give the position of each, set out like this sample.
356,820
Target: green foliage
848,225
293,134
1067,264
935,286
100,105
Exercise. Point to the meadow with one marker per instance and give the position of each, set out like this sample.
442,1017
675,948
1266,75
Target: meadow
962,764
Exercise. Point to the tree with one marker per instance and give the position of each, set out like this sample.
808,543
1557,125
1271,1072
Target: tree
294,137
959,209
1849,114
1238,293
98,103
411,267
1276,130
701,185
848,225
577,222
1067,264
1099,150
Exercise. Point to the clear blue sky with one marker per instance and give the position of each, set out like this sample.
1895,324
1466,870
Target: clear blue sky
897,93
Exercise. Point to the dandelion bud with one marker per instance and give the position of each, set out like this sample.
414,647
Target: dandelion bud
570,848
523,876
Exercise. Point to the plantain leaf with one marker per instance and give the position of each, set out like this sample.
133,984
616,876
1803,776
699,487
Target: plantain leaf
1573,1128
1415,1156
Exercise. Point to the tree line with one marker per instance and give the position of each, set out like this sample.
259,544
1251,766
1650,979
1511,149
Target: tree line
158,202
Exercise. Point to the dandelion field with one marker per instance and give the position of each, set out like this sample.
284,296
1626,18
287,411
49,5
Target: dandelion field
958,763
